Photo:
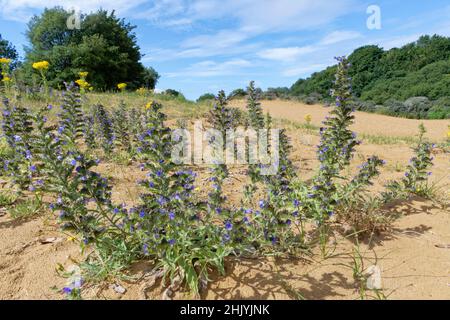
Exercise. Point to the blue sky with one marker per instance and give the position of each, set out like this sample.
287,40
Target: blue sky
203,46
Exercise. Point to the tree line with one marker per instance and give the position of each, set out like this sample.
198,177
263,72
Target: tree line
104,45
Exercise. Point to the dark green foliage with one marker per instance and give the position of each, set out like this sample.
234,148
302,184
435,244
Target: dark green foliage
237,93
440,109
276,93
206,97
150,78
7,50
172,92
419,69
105,46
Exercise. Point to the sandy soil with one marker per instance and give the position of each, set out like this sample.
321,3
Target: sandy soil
412,266
368,123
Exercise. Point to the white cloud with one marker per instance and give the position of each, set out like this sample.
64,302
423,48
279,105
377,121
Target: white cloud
210,68
286,54
340,36
251,15
22,10
303,70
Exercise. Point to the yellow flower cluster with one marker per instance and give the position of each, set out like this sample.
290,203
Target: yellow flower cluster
4,67
141,91
308,118
148,105
5,61
83,74
122,86
82,83
41,65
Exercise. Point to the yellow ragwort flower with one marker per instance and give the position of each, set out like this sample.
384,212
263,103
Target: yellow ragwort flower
308,118
122,86
6,79
82,83
41,65
83,74
141,91
5,61
148,105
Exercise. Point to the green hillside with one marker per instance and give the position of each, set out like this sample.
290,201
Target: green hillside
412,81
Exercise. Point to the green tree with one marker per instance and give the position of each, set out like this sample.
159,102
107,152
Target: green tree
150,78
105,46
7,50
206,97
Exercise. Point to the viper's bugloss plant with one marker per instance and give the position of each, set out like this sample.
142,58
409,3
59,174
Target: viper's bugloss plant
135,123
121,127
336,148
172,226
83,197
89,131
256,122
355,206
221,119
104,129
255,112
17,127
71,123
417,171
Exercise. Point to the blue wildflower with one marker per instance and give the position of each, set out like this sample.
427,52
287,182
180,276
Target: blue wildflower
228,225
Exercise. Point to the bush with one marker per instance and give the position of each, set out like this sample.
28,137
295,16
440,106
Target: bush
206,97
417,107
440,109
237,93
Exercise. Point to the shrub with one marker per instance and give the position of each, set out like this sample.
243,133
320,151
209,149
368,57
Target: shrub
237,94
440,109
206,97
417,106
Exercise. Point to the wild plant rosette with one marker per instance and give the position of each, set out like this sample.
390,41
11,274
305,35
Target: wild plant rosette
172,226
